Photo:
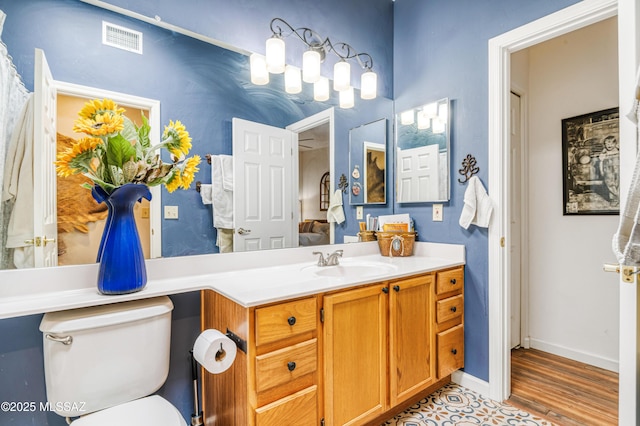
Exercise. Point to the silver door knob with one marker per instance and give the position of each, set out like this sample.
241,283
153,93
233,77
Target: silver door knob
243,231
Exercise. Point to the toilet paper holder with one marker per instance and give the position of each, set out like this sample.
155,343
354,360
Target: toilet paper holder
241,344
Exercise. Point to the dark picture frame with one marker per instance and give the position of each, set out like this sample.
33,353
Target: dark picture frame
591,163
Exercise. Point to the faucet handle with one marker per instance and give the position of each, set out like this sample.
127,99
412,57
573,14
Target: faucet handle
321,260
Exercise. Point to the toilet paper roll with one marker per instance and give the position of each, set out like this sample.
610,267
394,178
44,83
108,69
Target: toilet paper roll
214,351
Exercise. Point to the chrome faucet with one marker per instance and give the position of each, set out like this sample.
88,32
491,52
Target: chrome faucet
332,259
321,260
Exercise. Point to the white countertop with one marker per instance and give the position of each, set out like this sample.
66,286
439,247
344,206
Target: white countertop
249,279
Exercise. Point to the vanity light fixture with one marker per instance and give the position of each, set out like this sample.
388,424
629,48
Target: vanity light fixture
259,73
346,98
407,117
317,49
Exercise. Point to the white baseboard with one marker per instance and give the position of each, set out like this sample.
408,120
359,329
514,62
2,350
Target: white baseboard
585,357
471,382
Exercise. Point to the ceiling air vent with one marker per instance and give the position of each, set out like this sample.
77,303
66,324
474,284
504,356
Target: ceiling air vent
121,37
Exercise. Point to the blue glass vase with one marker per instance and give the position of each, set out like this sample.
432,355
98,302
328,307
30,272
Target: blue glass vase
122,268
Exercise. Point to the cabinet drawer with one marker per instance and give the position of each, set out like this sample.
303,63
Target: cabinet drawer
449,308
299,409
285,365
450,350
285,320
451,280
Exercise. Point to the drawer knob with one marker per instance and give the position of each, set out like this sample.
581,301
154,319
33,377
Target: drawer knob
453,309
385,290
291,365
396,288
291,320
453,281
454,351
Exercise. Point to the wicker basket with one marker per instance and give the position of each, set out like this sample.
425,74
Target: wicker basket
396,244
367,236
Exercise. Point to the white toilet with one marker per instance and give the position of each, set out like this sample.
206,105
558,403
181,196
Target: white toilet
102,362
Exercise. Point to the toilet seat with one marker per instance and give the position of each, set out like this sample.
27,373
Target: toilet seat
148,411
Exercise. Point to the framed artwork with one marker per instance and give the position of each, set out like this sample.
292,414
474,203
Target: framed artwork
375,160
591,163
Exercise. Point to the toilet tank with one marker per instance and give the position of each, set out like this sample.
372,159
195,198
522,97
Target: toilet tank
115,353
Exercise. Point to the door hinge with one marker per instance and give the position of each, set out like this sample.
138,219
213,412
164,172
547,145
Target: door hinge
322,315
322,422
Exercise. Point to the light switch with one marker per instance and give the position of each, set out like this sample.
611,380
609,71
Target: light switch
437,213
359,212
170,212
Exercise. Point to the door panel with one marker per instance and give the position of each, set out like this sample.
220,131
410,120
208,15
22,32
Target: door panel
263,174
418,173
45,222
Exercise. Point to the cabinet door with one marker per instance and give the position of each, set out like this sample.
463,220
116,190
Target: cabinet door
355,328
411,368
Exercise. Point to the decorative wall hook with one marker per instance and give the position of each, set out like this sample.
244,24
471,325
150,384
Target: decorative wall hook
469,168
344,184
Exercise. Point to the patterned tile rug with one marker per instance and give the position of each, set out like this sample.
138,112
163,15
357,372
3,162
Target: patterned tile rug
454,405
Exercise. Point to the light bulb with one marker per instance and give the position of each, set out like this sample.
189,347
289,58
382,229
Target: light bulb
430,110
346,98
321,90
439,126
424,122
292,80
369,85
275,55
311,66
406,118
259,73
341,76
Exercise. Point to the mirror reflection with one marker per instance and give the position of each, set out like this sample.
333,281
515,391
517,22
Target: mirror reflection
422,153
204,86
368,163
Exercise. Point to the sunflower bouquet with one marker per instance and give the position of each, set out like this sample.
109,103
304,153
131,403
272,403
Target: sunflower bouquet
116,151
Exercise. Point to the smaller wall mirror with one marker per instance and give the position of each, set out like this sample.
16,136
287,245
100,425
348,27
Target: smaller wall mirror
422,157
368,163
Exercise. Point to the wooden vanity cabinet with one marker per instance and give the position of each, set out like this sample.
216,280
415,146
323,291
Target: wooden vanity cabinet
378,344
349,357
275,382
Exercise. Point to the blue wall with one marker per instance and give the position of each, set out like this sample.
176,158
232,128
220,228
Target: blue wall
440,50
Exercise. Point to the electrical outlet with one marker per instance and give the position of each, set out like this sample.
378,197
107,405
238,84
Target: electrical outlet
437,213
359,212
170,212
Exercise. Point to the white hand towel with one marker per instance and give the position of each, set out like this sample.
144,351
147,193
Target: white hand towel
335,213
206,193
477,207
227,172
222,199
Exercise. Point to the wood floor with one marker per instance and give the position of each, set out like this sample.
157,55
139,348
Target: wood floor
563,391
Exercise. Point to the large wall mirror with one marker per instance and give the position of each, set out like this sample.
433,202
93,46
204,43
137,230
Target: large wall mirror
203,85
368,163
422,153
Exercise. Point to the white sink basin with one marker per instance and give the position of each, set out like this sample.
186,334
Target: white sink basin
352,270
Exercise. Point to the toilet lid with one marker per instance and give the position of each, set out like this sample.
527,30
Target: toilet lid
149,411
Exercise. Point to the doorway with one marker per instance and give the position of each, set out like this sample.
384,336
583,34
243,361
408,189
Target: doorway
80,229
500,261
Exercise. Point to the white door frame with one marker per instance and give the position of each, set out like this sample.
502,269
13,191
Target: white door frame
326,116
151,105
581,14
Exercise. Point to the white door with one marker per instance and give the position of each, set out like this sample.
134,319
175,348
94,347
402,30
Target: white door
263,208
515,225
418,174
44,174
